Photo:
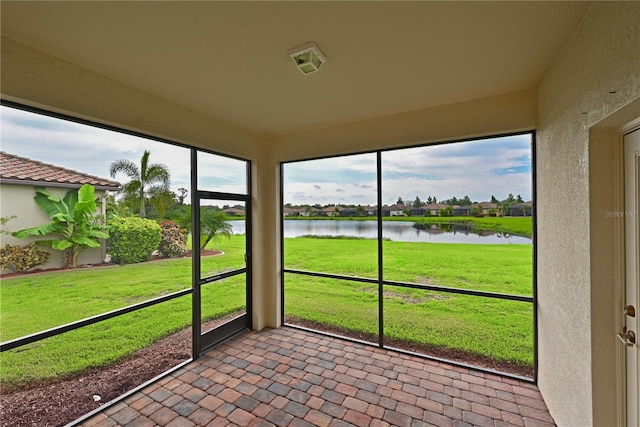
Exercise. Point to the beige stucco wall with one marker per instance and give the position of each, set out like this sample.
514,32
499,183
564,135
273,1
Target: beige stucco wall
576,243
18,200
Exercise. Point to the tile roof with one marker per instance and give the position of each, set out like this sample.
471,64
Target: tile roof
21,170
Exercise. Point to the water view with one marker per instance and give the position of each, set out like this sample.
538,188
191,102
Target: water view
396,231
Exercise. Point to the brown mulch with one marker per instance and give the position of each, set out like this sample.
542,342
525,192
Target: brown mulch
60,401
56,403
154,258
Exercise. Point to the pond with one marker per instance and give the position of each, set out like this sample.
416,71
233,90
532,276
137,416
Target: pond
397,231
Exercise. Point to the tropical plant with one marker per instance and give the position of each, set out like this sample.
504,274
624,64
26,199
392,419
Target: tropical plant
162,200
143,178
448,211
74,222
213,223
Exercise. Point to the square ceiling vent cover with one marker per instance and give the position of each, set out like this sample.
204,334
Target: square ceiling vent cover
308,58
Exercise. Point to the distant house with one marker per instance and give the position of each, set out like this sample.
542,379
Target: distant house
233,212
520,209
331,211
461,210
349,212
371,210
397,210
418,211
19,178
434,208
291,212
486,207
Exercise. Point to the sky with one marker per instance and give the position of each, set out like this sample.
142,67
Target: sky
91,150
479,169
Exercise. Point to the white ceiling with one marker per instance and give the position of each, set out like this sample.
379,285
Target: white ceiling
229,59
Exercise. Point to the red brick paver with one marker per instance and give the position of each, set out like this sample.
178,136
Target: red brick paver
287,377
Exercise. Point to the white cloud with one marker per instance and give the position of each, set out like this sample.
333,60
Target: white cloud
480,169
91,150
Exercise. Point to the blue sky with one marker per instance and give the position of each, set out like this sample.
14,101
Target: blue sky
495,166
91,150
479,169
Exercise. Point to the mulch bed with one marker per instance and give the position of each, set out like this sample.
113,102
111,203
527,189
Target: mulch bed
154,258
58,402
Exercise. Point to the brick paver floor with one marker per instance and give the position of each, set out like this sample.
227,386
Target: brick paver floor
288,377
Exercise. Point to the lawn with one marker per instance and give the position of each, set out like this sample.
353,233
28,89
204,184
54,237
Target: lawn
497,329
33,303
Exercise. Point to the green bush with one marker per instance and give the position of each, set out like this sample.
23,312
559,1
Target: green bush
132,239
174,240
22,258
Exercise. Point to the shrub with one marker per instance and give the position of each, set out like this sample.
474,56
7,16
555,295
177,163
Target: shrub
22,258
174,241
133,239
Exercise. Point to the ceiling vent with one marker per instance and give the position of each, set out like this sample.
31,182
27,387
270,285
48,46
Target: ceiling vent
308,58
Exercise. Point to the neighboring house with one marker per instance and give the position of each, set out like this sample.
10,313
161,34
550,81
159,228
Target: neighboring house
291,212
350,212
520,209
418,211
331,211
397,210
233,212
461,210
371,210
19,178
434,208
486,207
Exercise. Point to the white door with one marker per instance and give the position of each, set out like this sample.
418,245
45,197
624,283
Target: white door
631,325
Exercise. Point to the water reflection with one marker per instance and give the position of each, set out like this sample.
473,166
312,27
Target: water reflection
399,231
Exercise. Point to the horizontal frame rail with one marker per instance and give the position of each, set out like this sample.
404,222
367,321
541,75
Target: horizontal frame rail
461,291
214,195
331,276
221,276
19,342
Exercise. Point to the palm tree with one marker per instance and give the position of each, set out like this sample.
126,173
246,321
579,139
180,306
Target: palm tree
213,223
142,179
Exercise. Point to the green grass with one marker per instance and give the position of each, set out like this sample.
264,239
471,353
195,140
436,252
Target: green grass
497,329
496,268
34,303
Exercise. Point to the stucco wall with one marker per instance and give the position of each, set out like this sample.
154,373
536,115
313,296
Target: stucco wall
18,200
576,285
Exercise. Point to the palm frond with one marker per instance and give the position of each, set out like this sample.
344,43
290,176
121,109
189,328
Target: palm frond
125,166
